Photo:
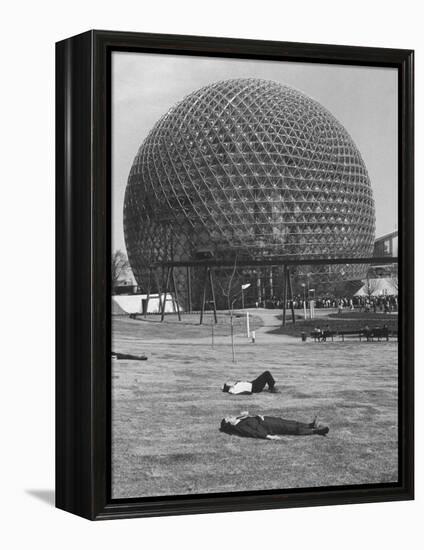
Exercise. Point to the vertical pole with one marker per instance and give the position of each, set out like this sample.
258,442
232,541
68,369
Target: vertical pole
284,295
212,332
171,290
271,284
164,288
159,288
213,296
176,301
232,335
312,307
148,292
189,289
247,324
166,293
291,296
258,288
203,296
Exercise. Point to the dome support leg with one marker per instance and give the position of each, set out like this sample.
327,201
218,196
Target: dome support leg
190,306
149,282
213,295
289,281
208,279
159,290
284,295
168,273
175,298
202,308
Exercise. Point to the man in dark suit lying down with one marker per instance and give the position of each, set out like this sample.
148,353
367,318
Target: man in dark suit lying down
269,427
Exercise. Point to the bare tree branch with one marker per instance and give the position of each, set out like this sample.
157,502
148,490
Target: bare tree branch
370,286
230,282
395,282
119,266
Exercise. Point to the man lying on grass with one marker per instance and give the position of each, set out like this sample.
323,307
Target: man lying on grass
255,386
269,427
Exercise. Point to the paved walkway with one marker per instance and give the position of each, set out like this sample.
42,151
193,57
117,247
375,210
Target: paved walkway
271,319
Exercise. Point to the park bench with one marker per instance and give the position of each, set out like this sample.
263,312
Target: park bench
323,335
379,333
369,334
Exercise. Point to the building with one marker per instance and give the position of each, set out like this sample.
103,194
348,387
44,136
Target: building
246,170
387,245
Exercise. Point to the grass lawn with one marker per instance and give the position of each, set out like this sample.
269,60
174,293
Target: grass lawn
151,328
166,412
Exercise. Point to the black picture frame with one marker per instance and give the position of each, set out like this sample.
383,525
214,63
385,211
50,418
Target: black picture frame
83,381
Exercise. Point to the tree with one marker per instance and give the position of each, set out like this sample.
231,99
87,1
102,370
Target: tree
228,293
395,283
229,289
119,266
370,287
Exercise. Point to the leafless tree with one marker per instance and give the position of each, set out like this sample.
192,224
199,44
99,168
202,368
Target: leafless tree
228,288
395,282
119,266
370,286
228,291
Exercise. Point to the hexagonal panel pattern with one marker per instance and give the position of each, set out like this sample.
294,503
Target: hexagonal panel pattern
252,167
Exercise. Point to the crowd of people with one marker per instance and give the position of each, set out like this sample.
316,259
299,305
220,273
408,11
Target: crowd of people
383,304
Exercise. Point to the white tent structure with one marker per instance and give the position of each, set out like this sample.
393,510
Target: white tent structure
384,286
135,304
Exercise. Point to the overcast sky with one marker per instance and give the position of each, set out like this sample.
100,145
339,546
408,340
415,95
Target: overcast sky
363,99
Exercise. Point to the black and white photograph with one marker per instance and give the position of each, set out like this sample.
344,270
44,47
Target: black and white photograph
254,275
211,238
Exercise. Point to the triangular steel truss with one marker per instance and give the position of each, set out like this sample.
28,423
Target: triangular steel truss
247,167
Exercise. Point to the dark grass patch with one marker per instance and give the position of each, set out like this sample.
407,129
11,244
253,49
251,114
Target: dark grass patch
337,324
366,317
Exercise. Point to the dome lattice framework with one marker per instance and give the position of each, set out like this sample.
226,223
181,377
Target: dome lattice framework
251,168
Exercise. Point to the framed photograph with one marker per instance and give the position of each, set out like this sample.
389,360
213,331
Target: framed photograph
234,274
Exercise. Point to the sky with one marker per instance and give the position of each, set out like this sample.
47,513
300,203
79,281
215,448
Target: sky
363,99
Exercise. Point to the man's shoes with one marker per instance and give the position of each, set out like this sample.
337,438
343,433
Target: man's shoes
322,430
274,389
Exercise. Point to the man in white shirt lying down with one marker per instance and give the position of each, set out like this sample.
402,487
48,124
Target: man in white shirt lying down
255,386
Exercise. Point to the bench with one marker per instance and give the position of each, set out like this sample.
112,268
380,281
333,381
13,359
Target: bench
323,335
369,334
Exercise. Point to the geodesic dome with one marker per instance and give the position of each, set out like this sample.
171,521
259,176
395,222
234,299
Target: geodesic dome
248,167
